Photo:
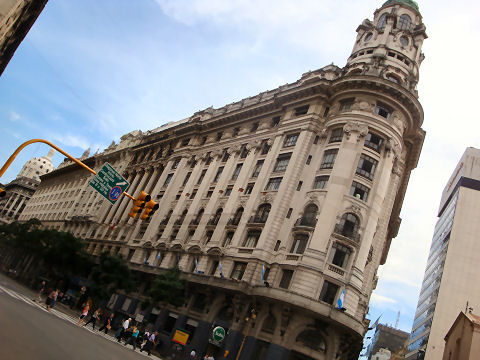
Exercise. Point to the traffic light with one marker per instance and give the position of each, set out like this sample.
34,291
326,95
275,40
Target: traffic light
150,208
2,193
139,203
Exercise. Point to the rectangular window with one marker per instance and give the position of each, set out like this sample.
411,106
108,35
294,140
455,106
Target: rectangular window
286,279
309,160
238,270
194,192
237,171
167,180
208,159
209,193
228,190
228,238
225,155
290,140
299,244
252,239
175,164
202,175
289,213
275,121
359,191
315,141
327,110
273,183
282,162
299,186
243,151
204,140
320,182
186,178
254,126
301,110
329,157
208,236
185,141
219,135
236,131
213,269
265,147
373,142
339,255
336,135
329,292
219,172
366,166
258,167
346,104
383,110
249,188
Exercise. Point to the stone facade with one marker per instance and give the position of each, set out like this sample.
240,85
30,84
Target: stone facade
304,183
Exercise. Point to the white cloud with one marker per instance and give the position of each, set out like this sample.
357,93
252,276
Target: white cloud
380,299
14,116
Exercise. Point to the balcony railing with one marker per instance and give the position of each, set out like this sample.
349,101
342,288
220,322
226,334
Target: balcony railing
195,222
350,234
233,221
303,221
257,220
213,221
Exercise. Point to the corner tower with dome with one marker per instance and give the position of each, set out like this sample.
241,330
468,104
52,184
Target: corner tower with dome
278,208
20,190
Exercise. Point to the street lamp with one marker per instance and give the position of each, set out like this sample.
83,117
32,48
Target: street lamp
249,323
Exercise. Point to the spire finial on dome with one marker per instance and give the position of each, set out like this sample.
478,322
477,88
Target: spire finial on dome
50,153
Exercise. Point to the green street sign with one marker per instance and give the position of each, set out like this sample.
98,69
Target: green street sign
109,183
218,334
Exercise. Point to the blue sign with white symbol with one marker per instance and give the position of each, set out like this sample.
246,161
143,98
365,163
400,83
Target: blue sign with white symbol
115,192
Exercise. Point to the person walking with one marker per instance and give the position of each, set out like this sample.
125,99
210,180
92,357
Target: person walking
52,297
85,311
95,316
107,323
41,291
150,343
132,340
193,354
124,329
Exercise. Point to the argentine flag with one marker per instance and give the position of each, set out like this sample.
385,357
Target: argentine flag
262,276
220,269
341,299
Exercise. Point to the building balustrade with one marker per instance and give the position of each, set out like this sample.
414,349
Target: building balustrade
346,233
257,220
336,269
308,222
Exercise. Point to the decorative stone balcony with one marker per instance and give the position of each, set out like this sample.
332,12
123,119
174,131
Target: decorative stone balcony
348,234
306,223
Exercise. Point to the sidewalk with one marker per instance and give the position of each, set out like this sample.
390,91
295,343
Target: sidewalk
22,292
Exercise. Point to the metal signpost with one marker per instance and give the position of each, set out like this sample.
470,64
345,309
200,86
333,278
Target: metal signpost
109,183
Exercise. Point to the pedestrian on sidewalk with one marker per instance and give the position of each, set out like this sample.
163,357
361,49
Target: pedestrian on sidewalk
41,291
85,311
52,297
107,323
123,329
93,319
133,338
150,343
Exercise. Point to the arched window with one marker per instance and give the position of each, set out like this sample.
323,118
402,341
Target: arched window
312,339
309,217
262,213
197,219
180,220
269,324
237,216
216,217
348,225
382,21
404,22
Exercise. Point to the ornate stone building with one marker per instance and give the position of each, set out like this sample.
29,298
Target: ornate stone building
271,206
20,190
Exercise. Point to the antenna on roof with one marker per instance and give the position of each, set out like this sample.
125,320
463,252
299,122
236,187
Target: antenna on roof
398,319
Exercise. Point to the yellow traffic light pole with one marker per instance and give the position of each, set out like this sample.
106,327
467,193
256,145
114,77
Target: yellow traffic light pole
26,143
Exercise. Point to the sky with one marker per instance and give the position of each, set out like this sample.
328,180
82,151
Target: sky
90,71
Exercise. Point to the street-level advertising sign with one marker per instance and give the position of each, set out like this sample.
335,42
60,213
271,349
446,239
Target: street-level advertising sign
180,337
109,183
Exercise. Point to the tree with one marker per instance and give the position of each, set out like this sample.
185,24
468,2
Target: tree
168,288
111,273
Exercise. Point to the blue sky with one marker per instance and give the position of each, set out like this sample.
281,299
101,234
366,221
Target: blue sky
90,71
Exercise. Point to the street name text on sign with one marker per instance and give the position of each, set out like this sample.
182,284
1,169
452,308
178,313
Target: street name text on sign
109,183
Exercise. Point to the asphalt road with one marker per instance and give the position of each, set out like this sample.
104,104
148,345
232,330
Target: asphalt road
29,332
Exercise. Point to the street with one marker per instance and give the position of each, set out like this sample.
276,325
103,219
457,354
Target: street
29,332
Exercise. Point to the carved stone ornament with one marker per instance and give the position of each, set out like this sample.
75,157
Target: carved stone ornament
354,208
236,149
323,134
217,153
355,127
392,146
191,160
205,156
266,198
398,122
256,144
313,198
363,105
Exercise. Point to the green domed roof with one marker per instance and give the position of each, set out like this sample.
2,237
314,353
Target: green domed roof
410,3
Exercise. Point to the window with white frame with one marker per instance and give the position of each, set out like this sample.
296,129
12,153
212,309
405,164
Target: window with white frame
290,140
366,166
359,191
339,255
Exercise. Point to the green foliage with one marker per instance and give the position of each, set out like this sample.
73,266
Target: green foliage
168,288
111,273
